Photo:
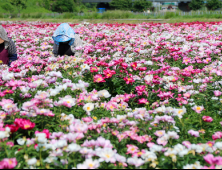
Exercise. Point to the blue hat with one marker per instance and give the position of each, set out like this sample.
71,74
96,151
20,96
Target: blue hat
62,38
64,33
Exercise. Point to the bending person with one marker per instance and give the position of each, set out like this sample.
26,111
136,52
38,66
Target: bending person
65,41
8,52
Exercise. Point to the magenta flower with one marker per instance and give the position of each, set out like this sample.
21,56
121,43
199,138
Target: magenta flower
217,135
8,163
99,78
143,101
207,119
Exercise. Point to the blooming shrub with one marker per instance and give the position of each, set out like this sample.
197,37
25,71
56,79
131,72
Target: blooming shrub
135,95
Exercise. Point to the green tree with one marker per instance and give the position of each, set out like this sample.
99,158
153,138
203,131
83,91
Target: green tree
8,7
19,4
121,4
196,4
63,6
213,4
141,5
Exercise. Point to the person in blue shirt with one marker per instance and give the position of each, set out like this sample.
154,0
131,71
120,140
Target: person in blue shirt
65,41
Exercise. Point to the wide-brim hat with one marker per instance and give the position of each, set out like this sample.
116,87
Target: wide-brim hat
62,38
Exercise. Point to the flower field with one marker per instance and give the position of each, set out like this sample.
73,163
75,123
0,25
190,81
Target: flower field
134,96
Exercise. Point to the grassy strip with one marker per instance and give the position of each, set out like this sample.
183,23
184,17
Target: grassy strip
113,15
176,20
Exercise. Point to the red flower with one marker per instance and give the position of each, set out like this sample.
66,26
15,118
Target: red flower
13,128
129,80
134,65
24,124
108,73
8,92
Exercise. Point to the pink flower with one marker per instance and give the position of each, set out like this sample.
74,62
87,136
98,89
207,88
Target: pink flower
87,119
211,167
8,163
121,136
217,93
211,144
11,144
187,144
210,159
162,141
94,69
207,119
150,144
143,101
194,133
98,79
217,135
160,133
198,109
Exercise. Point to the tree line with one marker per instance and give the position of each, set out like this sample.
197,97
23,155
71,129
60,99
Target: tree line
77,6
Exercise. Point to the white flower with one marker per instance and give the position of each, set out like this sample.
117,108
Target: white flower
104,93
50,159
179,112
81,166
54,92
88,107
106,154
183,153
85,67
161,109
73,147
41,138
149,156
148,78
135,161
32,161
7,76
218,145
61,143
148,63
21,141
156,148
91,164
3,134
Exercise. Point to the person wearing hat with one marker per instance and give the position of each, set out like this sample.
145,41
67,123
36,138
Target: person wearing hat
65,41
8,52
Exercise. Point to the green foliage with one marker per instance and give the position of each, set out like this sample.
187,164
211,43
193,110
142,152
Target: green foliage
63,6
7,7
196,4
169,15
137,5
117,14
141,5
213,4
121,4
19,4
